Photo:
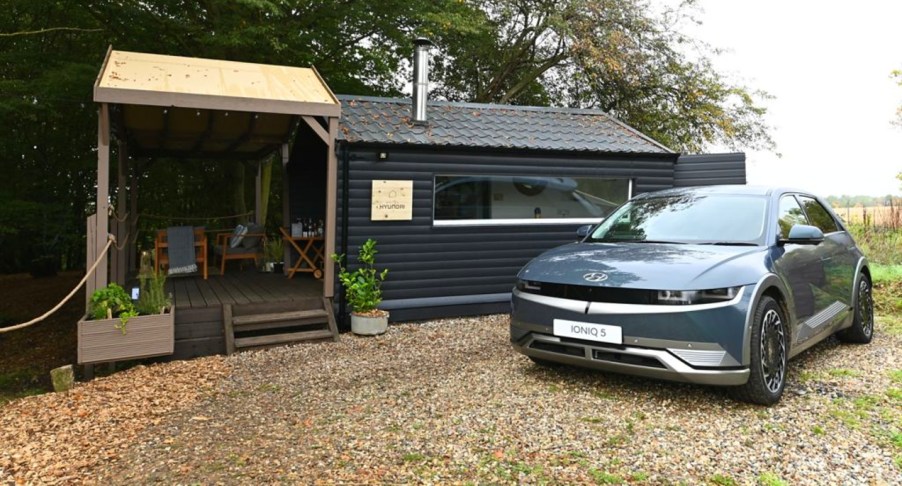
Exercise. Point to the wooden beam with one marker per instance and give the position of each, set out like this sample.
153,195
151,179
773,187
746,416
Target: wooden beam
205,135
258,195
103,194
251,124
286,208
317,128
119,260
331,210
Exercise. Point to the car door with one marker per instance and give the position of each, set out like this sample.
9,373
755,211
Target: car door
800,267
835,294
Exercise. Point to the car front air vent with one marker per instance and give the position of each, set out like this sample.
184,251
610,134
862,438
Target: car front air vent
627,359
599,294
558,348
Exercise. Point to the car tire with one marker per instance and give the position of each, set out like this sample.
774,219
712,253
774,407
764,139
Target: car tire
769,349
862,330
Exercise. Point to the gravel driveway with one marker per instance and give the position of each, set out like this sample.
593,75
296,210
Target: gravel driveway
449,402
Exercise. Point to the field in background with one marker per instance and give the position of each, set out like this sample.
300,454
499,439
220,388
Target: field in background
876,216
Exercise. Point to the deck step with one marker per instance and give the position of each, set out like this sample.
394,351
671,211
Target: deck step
238,321
285,338
256,327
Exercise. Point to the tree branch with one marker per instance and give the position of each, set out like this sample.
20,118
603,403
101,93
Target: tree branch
43,31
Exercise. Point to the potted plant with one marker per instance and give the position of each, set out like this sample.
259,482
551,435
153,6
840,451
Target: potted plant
363,289
116,328
273,254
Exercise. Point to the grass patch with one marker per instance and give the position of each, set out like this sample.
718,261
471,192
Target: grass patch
895,376
604,477
818,430
891,324
18,384
843,373
413,457
723,480
771,479
886,273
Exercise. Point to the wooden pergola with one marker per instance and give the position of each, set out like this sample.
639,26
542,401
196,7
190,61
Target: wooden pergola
181,107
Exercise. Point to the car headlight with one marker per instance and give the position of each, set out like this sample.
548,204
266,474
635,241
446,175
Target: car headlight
689,297
529,286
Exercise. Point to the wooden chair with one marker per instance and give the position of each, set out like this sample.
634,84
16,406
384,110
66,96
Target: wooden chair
249,248
161,249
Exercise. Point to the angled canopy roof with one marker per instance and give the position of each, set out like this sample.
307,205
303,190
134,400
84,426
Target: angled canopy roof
205,108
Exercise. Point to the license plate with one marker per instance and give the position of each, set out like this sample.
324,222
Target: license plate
589,331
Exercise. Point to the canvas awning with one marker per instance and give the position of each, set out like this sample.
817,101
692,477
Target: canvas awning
205,108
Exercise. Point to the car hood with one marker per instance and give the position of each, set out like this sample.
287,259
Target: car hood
656,266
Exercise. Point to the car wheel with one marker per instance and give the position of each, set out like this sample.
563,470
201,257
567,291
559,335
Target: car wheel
862,330
769,355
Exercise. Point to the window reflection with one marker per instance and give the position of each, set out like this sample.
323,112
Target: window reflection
527,197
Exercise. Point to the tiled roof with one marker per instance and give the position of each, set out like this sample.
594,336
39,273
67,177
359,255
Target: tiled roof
388,121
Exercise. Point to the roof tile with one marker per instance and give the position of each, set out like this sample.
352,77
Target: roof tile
387,120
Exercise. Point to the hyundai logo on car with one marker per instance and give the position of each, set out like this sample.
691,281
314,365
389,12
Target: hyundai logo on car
595,277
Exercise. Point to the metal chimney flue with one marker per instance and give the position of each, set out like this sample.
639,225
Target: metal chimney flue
420,79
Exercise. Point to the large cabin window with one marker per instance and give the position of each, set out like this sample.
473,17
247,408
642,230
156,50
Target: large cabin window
494,199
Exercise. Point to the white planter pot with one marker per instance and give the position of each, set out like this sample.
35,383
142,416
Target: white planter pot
369,326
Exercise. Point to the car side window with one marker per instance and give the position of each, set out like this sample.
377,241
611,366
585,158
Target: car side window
819,216
790,213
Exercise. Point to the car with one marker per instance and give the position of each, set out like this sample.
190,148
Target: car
717,285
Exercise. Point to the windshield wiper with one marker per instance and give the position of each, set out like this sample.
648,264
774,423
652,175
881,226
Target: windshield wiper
628,240
729,243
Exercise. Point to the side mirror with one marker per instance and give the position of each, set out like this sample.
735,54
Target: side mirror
803,234
583,231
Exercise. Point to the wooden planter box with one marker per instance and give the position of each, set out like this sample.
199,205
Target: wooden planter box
99,341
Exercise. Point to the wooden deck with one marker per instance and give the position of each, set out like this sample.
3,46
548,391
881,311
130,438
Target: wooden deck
241,287
199,317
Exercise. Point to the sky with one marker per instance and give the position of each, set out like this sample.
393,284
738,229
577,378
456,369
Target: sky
827,64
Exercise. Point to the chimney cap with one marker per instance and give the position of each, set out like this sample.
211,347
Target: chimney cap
422,41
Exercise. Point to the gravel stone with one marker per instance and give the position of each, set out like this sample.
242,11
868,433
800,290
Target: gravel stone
449,402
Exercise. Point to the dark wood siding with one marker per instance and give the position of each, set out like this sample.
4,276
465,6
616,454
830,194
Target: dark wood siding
453,269
709,170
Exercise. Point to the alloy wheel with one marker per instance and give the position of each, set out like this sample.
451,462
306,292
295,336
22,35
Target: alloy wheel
773,351
866,307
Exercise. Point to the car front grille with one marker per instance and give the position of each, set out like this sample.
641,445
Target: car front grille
597,294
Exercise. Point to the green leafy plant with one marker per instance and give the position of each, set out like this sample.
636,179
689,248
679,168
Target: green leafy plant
153,298
273,250
363,286
112,301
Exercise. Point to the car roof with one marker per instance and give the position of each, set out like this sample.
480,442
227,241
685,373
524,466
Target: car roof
734,189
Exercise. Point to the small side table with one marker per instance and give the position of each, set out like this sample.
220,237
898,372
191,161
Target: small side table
309,250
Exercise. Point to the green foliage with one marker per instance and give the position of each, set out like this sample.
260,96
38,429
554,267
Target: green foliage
618,56
363,286
112,301
771,479
153,298
615,55
274,249
881,245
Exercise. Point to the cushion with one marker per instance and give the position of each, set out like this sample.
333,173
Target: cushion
252,241
237,236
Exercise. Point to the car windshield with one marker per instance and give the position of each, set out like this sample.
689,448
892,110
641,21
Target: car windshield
687,218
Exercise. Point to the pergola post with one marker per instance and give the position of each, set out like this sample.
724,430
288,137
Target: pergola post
258,195
120,256
331,195
101,220
286,209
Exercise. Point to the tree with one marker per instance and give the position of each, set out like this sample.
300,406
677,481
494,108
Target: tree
615,55
897,76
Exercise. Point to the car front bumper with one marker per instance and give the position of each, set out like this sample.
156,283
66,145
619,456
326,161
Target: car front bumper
701,344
